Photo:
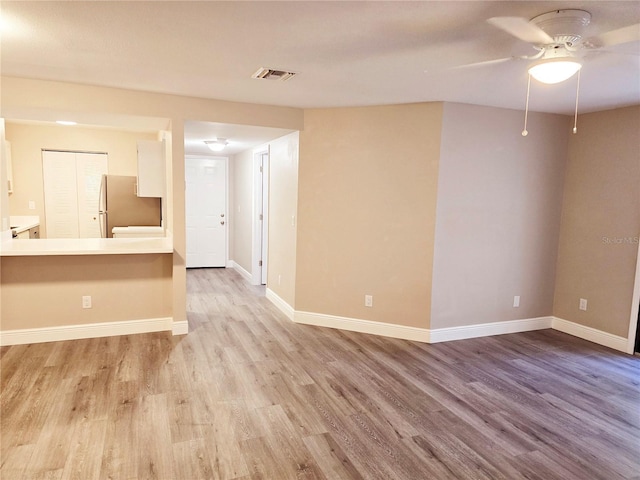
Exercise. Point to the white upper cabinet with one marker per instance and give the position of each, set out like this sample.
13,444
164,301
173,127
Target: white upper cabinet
151,168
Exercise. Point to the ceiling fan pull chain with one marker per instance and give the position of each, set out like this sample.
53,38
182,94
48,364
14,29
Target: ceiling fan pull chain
575,117
526,108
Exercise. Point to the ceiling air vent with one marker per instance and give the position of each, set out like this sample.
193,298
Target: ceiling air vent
271,74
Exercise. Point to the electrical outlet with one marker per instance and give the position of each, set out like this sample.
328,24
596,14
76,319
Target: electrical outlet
86,301
368,300
32,205
583,304
516,301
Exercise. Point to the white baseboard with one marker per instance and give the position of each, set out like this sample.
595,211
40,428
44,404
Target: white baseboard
363,326
283,306
489,329
240,270
590,334
460,333
180,328
92,330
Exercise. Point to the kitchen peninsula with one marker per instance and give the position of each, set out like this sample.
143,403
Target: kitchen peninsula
86,246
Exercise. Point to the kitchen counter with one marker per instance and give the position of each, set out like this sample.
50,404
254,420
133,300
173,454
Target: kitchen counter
22,223
85,246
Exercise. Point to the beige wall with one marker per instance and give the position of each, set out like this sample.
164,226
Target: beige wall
39,291
22,97
498,215
241,210
4,198
283,216
600,221
28,140
367,200
359,216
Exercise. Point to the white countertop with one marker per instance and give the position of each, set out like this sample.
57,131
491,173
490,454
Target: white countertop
85,246
23,222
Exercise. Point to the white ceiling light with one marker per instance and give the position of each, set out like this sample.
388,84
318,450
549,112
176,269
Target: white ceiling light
66,122
217,145
555,70
557,65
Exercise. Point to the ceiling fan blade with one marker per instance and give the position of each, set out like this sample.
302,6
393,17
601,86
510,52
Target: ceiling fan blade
622,35
521,28
484,63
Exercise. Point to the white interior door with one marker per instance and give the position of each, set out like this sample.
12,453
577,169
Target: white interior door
71,193
206,211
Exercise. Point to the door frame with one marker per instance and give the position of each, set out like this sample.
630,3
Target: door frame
260,228
635,305
226,200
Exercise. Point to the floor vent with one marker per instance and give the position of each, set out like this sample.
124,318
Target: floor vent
271,74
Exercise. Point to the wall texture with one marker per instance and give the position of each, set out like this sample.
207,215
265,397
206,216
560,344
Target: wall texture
283,216
28,140
4,198
498,215
241,210
38,292
367,200
600,221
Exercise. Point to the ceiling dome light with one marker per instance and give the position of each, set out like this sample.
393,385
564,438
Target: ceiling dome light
555,70
217,145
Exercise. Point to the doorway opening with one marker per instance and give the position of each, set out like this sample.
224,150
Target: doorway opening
636,350
633,340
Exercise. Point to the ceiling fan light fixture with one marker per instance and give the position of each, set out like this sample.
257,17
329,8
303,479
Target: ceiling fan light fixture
217,145
555,70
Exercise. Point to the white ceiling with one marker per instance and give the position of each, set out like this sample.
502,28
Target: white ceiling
240,137
346,53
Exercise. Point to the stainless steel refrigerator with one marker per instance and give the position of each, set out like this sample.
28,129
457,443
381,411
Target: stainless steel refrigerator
121,207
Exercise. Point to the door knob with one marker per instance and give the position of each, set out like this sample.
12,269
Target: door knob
222,215
222,222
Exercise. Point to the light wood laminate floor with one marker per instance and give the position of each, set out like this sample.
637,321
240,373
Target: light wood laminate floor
250,395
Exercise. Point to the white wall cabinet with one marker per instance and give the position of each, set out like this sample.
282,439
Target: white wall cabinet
151,168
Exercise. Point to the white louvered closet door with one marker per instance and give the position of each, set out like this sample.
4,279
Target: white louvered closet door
71,193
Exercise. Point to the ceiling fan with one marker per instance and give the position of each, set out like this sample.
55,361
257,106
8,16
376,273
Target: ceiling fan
558,38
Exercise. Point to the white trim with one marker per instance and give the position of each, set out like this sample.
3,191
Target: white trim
266,164
283,306
91,330
180,328
590,334
238,268
488,329
227,201
256,223
363,326
633,319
